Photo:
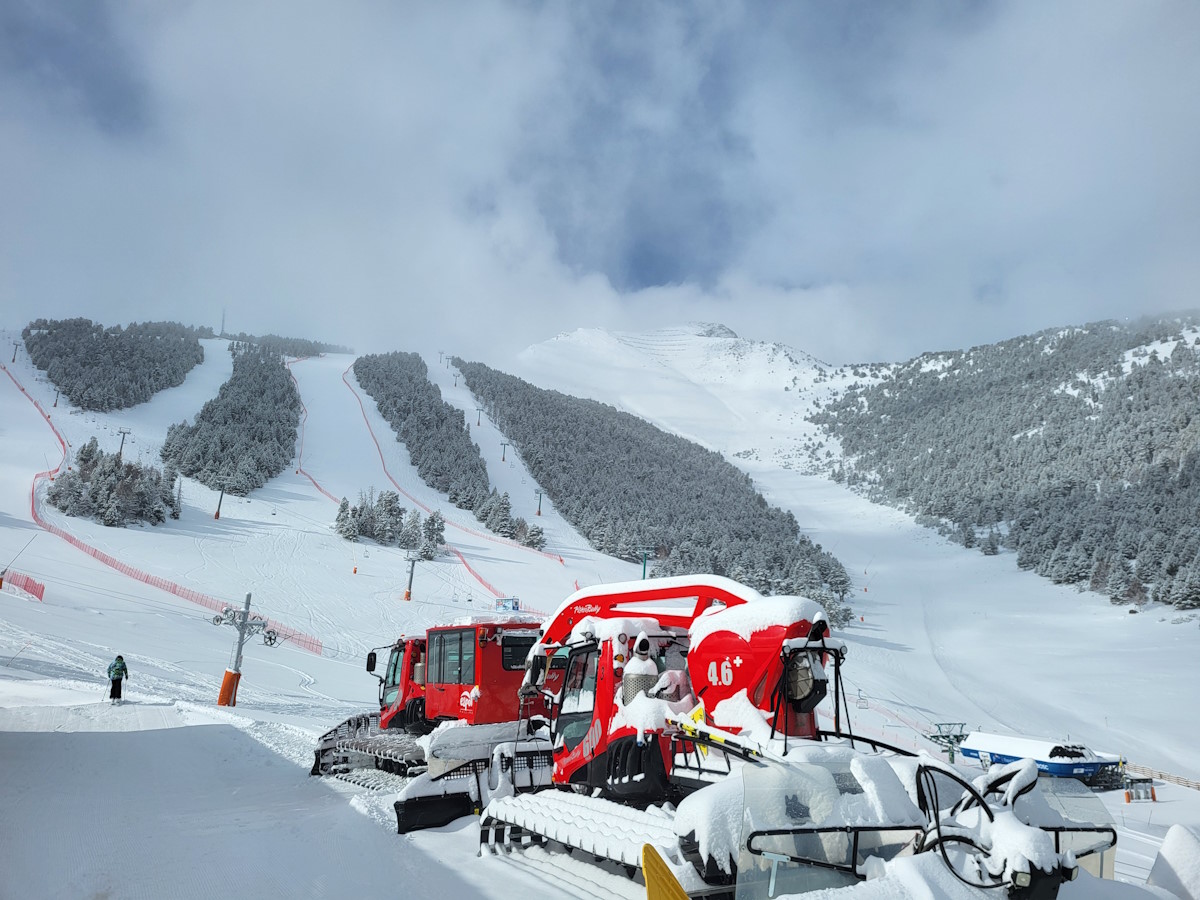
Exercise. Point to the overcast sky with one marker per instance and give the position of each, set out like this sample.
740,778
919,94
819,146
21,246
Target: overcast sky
860,180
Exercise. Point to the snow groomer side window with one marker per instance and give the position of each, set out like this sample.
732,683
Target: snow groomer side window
514,650
578,697
466,657
452,657
391,681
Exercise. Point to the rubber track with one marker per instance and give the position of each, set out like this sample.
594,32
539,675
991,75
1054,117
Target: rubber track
600,827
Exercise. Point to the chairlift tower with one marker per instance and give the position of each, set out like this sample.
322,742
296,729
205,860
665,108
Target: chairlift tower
646,553
949,735
245,625
412,556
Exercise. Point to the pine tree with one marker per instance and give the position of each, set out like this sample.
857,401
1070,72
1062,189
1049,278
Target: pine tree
838,581
410,534
365,518
170,474
345,524
991,544
87,455
434,529
967,535
535,537
499,519
112,513
483,511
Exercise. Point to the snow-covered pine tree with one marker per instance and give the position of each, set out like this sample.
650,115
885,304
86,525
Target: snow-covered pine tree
535,537
410,535
389,518
499,519
483,510
991,544
344,524
434,529
365,518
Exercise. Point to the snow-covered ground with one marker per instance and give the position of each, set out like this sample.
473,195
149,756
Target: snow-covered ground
170,795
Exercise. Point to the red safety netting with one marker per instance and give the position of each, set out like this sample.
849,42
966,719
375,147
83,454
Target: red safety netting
300,446
306,641
450,522
23,582
300,470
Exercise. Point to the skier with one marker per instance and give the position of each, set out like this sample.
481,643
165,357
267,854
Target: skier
116,671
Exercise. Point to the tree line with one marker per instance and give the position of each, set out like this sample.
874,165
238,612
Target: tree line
285,346
103,487
245,435
1077,448
636,492
385,521
102,369
439,442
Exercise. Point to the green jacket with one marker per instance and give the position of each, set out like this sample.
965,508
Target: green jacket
116,669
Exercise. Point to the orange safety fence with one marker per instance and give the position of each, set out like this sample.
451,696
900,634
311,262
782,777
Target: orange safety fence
303,423
495,593
305,641
23,582
319,487
453,524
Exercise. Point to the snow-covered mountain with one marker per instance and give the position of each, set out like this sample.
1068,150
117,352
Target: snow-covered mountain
942,635
746,399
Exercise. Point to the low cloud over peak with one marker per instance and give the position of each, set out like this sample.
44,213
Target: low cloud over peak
861,182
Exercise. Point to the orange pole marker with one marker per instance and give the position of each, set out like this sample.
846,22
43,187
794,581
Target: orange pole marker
229,686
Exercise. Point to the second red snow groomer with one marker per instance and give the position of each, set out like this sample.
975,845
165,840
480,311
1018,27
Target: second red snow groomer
467,671
724,657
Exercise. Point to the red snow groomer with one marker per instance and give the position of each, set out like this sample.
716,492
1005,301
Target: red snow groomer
468,672
400,692
643,658
671,728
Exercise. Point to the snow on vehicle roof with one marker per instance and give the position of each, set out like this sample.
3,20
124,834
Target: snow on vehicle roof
759,615
1026,747
506,619
611,629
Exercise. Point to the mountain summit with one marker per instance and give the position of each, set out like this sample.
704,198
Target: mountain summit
688,377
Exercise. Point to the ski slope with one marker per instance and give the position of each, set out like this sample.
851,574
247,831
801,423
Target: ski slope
946,635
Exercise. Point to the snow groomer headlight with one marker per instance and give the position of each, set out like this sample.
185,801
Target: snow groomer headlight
805,681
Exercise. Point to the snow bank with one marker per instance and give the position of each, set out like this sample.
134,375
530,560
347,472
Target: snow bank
1177,868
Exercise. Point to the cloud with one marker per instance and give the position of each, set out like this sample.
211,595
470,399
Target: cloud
861,182
66,56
